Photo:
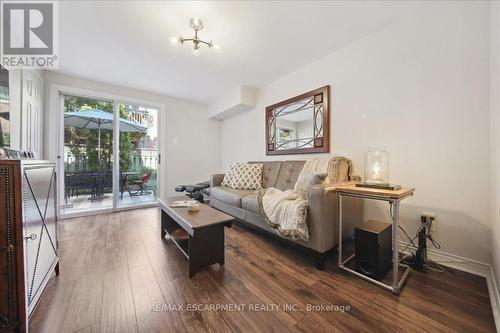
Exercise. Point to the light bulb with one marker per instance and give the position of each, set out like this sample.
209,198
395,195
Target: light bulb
196,52
376,171
174,41
196,24
211,44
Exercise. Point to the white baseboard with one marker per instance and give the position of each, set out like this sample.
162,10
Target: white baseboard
469,266
494,297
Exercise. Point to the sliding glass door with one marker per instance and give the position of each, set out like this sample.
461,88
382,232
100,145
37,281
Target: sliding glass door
88,155
91,146
138,165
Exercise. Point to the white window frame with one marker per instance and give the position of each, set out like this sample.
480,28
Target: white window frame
56,103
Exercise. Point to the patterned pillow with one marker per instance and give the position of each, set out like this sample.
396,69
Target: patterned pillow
229,175
244,176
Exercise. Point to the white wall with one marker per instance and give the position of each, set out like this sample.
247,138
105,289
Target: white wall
190,147
495,132
418,88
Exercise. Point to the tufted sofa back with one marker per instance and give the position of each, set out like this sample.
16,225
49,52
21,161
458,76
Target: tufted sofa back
284,174
288,175
270,173
281,174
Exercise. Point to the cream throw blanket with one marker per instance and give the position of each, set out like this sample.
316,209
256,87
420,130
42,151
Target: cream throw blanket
286,210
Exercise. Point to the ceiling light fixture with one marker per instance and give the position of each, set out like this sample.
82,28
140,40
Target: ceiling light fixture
196,25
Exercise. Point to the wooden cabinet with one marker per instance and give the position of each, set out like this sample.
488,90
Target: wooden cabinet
29,251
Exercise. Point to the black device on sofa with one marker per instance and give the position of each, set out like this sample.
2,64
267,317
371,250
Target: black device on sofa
195,191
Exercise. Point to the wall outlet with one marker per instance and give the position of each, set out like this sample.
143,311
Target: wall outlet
428,218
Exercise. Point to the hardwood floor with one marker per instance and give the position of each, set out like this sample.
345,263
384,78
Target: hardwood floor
115,269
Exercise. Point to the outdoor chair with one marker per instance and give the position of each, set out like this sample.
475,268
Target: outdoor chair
141,184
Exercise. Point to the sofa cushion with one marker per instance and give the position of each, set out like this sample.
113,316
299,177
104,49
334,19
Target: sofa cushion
229,195
249,202
289,172
270,173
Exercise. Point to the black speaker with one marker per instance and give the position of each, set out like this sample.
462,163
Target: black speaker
373,246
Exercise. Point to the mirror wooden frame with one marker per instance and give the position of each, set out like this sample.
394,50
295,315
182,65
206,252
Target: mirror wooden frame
321,144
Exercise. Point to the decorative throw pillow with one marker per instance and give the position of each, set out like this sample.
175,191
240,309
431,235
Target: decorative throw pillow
229,175
244,176
307,179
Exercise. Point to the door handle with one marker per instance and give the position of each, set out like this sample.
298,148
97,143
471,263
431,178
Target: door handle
31,237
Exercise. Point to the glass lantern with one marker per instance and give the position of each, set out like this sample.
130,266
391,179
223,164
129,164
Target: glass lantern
377,167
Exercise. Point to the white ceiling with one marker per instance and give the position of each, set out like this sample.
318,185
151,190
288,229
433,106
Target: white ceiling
128,43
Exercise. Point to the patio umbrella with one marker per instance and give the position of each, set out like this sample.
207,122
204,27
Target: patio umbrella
99,120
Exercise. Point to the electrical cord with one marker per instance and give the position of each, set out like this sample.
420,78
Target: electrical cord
409,238
412,240
404,231
436,244
429,236
408,259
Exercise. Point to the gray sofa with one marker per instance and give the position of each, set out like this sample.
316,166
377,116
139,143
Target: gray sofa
322,214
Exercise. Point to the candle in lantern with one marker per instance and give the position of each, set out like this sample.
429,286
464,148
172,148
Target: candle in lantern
377,166
376,172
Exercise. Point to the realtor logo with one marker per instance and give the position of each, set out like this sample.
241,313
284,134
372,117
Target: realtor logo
29,34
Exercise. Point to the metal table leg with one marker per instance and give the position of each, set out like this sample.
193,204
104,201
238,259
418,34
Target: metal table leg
339,209
396,282
395,243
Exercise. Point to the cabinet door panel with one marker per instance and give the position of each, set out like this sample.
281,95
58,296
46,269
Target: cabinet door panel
39,229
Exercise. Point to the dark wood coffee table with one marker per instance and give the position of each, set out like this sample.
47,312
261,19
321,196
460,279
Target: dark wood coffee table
205,244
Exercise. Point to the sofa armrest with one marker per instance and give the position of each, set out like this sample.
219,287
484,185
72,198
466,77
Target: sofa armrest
216,180
323,216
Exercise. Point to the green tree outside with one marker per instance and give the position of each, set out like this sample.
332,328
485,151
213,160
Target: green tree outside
75,136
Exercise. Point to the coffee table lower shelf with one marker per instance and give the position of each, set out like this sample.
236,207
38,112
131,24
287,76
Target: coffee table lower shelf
204,246
181,245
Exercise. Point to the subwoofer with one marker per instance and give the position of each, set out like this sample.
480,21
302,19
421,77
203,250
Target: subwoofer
373,246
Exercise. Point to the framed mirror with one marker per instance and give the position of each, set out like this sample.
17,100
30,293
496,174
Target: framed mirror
299,125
